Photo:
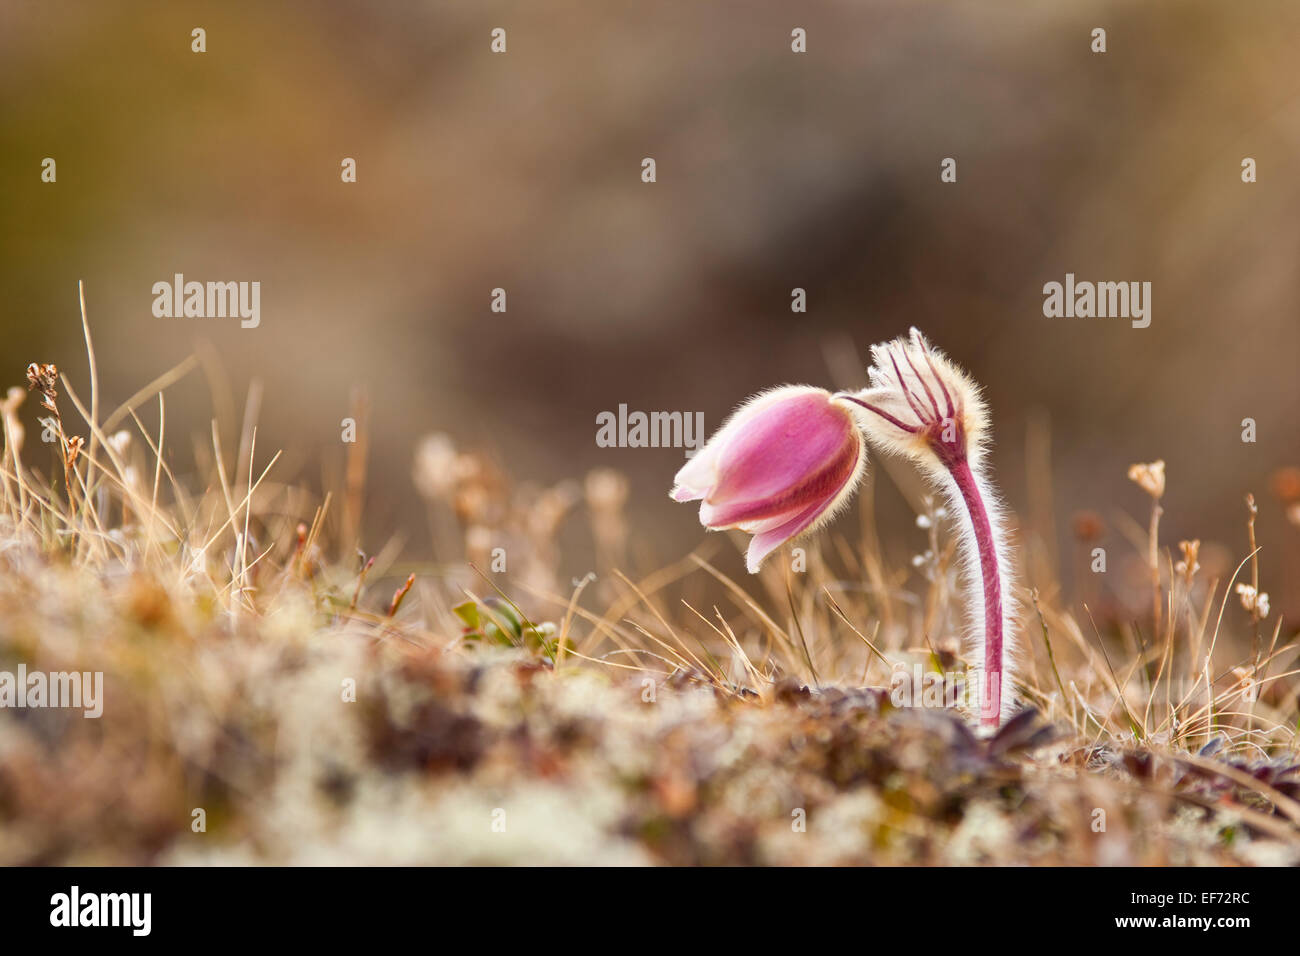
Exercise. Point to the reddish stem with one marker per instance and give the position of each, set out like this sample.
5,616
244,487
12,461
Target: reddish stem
991,692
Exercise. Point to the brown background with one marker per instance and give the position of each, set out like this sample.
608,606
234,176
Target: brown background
775,170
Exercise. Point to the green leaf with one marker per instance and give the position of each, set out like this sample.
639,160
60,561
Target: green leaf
467,612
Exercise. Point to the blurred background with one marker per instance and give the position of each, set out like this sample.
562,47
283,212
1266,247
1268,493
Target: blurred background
774,171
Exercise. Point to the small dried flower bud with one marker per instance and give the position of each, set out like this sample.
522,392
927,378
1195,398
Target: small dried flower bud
1247,685
75,444
41,376
1189,565
1150,478
1251,600
44,378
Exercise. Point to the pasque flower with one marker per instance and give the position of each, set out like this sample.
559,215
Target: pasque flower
790,458
781,466
922,406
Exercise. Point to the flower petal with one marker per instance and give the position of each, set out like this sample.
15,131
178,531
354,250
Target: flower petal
786,459
792,445
697,477
765,542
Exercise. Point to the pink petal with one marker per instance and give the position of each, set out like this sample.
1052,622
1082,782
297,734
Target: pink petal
781,462
793,451
696,478
765,542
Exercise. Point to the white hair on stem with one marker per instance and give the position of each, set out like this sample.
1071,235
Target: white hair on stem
924,407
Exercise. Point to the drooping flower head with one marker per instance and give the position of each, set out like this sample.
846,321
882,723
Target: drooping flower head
788,459
784,463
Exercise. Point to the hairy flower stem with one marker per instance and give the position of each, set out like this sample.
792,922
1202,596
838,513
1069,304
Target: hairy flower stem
991,692
951,454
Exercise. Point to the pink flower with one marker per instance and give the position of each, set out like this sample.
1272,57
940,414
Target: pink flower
781,466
